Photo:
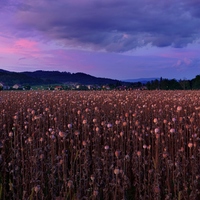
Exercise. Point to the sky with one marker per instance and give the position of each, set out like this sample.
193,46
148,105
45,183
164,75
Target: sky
118,39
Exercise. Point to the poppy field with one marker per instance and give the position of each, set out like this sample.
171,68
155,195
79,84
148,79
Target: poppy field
104,145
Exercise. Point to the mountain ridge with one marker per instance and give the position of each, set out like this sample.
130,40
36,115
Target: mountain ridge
142,80
41,77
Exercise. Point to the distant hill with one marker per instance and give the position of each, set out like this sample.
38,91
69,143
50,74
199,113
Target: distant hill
51,77
66,77
141,80
11,78
2,70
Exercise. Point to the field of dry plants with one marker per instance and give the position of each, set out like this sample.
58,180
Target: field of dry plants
104,145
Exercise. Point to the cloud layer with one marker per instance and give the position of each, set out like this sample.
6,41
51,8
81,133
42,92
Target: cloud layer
111,25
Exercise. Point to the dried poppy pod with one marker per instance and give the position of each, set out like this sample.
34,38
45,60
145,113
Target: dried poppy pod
76,133
116,171
117,153
121,133
155,120
10,134
84,121
37,188
117,122
84,143
78,112
87,110
179,108
97,129
92,177
124,124
96,108
127,157
109,125
172,130
174,119
62,134
144,146
50,129
149,147
69,126
15,117
33,112
139,153
30,139
106,147
70,184
94,120
190,144
157,130
137,123
165,121
134,114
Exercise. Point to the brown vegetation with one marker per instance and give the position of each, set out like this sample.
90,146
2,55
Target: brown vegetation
100,145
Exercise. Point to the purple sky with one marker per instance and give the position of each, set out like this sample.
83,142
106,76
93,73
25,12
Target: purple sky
120,39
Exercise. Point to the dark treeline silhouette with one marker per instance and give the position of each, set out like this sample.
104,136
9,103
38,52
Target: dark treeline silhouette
173,84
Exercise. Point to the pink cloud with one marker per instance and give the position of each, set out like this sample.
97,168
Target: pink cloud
182,63
26,44
20,46
179,62
187,61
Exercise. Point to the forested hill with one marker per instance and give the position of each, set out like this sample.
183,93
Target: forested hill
51,77
66,77
40,77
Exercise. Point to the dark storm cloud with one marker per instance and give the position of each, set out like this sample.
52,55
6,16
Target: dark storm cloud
112,25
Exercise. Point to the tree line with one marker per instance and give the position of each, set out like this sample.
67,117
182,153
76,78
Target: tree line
173,84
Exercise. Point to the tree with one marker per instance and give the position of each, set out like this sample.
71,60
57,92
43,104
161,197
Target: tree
185,84
196,82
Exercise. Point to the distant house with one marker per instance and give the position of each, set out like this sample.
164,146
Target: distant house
122,87
59,87
105,87
90,87
78,86
17,87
